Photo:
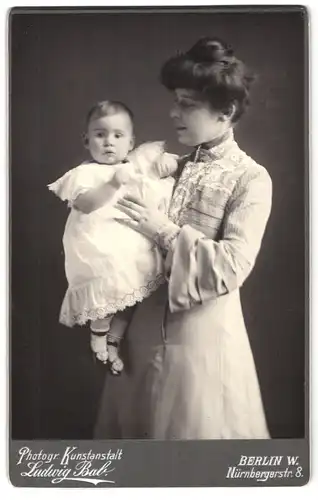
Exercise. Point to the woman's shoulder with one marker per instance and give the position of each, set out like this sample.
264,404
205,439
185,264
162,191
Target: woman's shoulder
233,171
246,168
251,178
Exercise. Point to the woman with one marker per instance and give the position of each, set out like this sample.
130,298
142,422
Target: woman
192,374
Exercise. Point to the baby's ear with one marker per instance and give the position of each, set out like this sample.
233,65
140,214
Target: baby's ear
132,143
85,139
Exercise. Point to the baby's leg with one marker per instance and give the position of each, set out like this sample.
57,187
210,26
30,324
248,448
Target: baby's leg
118,327
99,329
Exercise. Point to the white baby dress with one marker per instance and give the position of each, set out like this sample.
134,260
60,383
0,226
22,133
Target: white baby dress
108,265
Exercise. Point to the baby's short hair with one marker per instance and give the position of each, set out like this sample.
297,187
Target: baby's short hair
106,108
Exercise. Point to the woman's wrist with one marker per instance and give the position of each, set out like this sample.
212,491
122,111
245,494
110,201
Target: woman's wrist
167,236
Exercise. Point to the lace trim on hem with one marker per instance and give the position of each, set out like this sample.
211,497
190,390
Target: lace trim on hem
129,300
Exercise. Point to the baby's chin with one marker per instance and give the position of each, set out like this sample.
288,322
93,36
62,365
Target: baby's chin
108,159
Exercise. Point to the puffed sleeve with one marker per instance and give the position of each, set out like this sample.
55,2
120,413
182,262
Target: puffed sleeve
199,268
166,165
75,182
145,155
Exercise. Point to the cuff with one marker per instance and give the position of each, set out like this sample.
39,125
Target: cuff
167,236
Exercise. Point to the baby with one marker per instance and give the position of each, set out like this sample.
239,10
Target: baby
109,266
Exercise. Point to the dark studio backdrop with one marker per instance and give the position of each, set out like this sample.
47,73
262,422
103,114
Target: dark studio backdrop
61,64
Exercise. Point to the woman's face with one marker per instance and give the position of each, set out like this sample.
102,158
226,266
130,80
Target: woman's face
194,119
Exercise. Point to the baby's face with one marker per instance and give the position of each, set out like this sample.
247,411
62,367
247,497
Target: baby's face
110,138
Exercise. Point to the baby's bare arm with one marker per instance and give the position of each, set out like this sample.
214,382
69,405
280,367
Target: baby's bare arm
96,198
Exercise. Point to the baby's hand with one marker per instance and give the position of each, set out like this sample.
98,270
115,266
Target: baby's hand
124,174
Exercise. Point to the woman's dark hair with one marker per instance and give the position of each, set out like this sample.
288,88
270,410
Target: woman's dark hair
211,69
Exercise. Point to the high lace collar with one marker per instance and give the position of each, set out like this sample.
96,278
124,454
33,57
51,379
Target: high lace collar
202,154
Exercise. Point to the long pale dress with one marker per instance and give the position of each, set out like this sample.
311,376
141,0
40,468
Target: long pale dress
108,265
190,372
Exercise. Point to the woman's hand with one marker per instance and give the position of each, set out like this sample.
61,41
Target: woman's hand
148,221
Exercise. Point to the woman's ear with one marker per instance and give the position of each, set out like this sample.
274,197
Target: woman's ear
228,113
231,111
85,139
